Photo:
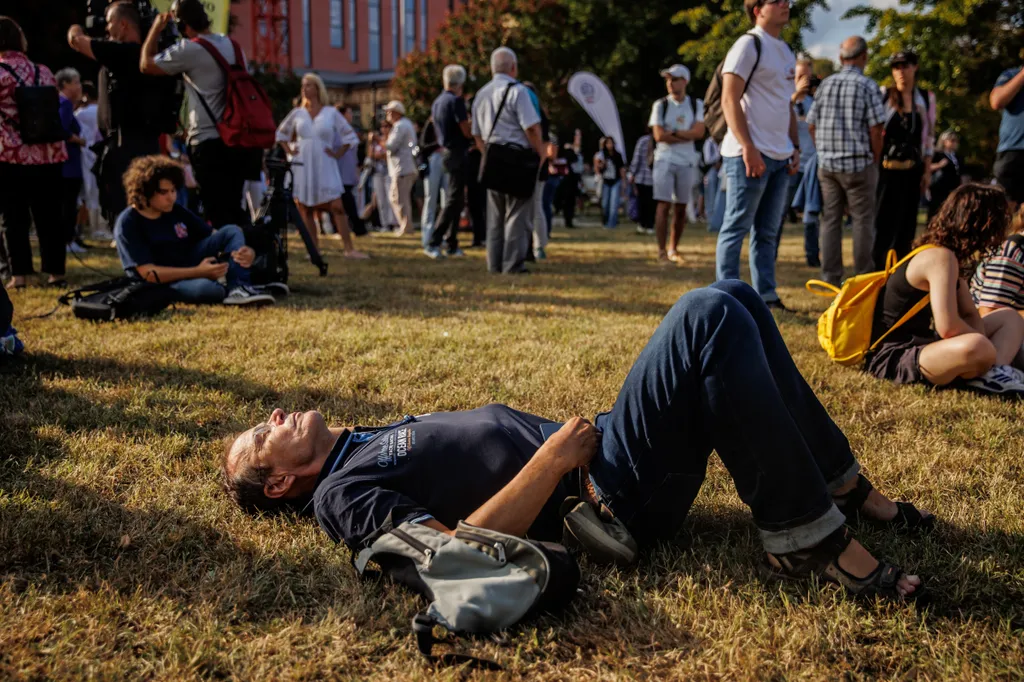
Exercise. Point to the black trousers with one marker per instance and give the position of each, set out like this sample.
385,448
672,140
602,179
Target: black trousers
221,172
565,200
118,153
27,196
6,309
348,202
448,220
69,191
899,195
648,207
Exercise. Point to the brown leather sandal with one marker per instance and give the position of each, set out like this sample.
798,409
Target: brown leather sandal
908,518
823,561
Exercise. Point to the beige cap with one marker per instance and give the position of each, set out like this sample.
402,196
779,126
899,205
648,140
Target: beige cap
395,105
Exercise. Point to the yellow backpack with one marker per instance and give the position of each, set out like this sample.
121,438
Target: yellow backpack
844,330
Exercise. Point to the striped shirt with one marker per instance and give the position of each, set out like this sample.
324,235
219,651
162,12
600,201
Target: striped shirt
999,280
639,169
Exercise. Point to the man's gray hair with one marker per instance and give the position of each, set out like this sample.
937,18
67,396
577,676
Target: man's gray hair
503,60
65,76
853,47
453,76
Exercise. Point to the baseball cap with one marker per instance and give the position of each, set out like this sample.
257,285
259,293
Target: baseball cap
903,57
676,71
395,105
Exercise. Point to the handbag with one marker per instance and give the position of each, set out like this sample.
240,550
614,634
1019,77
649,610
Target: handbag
506,167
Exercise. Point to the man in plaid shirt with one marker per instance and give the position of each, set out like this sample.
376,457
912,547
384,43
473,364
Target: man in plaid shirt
846,122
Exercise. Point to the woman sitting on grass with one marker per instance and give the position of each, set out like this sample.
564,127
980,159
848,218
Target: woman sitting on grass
948,342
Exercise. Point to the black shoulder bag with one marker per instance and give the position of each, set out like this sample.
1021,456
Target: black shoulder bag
506,167
38,109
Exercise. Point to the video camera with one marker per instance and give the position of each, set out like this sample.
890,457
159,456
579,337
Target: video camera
96,21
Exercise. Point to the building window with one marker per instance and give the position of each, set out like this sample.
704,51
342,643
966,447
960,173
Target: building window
337,24
353,46
410,25
394,33
423,24
373,40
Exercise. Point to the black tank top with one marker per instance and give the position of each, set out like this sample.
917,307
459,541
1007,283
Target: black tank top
895,301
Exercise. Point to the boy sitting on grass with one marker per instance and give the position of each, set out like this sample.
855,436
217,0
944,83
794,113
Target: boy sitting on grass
166,243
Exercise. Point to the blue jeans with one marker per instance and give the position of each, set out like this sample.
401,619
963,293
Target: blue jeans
811,248
716,375
550,187
711,190
433,188
754,206
610,203
227,239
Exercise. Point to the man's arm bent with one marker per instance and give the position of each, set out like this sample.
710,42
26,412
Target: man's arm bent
80,42
1003,94
147,63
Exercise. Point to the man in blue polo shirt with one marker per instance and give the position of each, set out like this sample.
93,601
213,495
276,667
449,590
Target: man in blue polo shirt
1008,96
161,241
451,123
716,375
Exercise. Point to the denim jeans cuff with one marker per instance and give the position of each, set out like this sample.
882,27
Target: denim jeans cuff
845,477
803,536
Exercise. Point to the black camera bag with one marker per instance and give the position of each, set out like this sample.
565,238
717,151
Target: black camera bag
121,298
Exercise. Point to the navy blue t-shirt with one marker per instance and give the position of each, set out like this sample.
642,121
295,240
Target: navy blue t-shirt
168,240
1011,129
442,466
449,110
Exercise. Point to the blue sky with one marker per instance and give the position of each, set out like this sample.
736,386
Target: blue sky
829,30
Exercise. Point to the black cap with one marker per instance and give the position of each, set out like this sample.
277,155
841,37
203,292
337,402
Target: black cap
903,57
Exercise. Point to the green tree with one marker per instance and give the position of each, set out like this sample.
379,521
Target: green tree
623,43
963,46
716,26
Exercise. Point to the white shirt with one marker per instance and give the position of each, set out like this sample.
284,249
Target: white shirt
677,117
712,154
399,145
766,104
518,114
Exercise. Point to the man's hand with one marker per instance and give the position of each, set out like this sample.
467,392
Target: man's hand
80,42
575,444
161,22
753,161
794,162
244,256
211,269
74,33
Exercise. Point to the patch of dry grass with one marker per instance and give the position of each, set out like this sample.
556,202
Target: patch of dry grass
120,559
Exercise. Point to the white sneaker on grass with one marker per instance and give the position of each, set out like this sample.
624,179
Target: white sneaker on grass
248,296
75,247
1001,380
434,253
457,253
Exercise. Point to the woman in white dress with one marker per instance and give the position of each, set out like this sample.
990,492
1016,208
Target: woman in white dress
316,181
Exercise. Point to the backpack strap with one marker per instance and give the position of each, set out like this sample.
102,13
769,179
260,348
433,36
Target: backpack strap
914,310
10,69
757,59
423,631
1018,239
215,53
501,106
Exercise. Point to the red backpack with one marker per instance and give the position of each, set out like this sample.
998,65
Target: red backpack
248,119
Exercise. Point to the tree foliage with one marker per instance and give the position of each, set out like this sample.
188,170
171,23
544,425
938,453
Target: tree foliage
963,46
625,44
717,24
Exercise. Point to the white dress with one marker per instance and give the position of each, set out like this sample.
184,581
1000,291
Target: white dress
317,180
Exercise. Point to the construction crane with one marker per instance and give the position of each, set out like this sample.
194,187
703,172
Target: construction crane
270,34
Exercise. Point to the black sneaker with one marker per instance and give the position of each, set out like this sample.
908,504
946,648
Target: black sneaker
275,288
776,305
247,296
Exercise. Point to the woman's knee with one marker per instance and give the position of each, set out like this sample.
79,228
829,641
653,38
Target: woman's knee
978,353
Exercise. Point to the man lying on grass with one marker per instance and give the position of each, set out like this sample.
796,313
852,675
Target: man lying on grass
716,375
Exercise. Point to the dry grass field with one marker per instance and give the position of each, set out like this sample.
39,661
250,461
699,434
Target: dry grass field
120,559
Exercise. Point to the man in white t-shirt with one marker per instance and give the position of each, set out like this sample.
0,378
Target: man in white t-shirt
677,121
761,149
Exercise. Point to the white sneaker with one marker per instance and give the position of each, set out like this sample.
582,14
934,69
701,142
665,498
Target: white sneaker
1000,380
640,230
274,289
248,296
102,235
539,254
457,253
434,252
75,247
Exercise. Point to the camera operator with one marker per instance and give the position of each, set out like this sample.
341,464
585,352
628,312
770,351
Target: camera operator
220,171
134,109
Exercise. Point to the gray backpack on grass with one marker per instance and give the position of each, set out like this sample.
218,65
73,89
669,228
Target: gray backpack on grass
478,581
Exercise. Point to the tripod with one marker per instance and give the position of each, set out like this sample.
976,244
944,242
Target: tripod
276,211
